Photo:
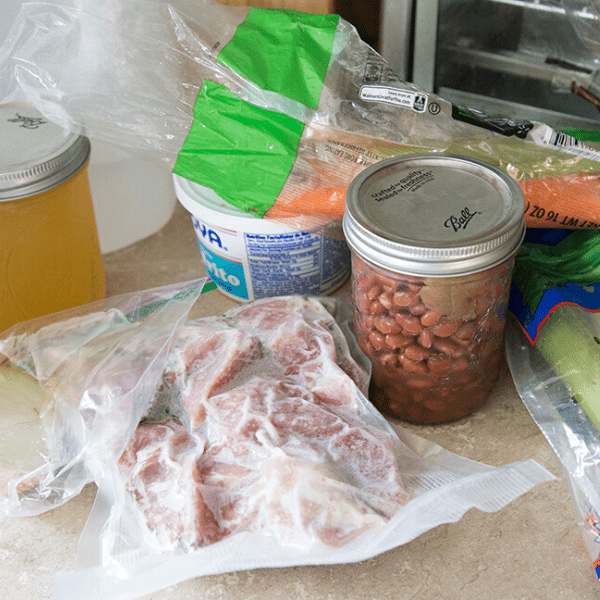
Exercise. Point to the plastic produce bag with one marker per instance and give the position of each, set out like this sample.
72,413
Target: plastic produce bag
260,449
73,387
275,111
553,351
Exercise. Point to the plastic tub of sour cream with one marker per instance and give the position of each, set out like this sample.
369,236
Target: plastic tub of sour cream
251,258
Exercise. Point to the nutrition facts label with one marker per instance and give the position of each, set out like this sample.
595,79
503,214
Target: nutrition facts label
297,262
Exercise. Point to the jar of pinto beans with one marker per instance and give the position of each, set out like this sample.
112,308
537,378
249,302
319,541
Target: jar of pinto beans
433,239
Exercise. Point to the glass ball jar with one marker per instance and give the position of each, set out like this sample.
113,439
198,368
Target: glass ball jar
50,256
433,239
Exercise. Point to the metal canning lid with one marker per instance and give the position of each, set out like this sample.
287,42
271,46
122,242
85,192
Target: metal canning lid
36,154
434,214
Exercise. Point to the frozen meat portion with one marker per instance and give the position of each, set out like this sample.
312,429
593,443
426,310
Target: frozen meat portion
269,458
209,359
264,430
305,339
250,422
188,498
265,420
290,337
303,504
162,470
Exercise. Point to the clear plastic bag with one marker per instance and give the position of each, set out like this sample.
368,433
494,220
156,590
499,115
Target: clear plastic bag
73,387
275,111
553,351
568,429
260,450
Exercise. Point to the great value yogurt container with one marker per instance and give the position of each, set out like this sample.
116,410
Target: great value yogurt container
251,258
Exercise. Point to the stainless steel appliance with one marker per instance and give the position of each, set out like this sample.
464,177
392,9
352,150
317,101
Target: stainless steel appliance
527,59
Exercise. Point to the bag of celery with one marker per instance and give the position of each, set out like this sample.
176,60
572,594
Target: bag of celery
553,352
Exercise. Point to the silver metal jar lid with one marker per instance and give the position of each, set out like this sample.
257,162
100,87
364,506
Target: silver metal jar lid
434,215
36,154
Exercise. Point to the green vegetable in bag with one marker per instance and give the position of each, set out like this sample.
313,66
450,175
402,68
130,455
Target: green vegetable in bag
570,343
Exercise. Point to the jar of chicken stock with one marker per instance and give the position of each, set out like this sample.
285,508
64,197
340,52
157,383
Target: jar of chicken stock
433,239
50,256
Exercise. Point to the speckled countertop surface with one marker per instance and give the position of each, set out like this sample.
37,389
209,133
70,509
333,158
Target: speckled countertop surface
530,550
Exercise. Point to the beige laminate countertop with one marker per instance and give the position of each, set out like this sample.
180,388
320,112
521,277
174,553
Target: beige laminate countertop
530,550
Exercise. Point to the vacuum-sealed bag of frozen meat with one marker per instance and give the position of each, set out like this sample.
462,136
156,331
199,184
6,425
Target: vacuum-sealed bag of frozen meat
260,449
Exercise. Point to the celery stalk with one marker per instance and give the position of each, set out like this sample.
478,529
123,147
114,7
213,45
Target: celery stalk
569,343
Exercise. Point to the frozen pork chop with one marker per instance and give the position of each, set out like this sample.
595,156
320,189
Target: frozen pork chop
293,441
211,357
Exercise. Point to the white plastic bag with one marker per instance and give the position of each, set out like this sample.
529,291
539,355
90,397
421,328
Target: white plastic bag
568,429
554,357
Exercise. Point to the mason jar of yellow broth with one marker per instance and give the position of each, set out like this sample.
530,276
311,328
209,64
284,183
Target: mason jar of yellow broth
49,250
433,239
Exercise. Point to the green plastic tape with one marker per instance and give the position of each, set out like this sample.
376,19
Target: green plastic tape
283,51
241,151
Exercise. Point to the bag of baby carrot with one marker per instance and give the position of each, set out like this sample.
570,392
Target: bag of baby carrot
274,111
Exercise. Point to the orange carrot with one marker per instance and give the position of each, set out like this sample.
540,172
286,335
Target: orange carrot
325,201
570,201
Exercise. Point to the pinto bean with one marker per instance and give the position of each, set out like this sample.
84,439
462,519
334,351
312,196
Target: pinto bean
386,300
415,352
431,317
368,322
377,340
418,309
363,303
445,329
426,338
387,324
389,359
364,282
397,341
413,366
405,298
410,324
373,292
438,363
465,333
376,307
446,347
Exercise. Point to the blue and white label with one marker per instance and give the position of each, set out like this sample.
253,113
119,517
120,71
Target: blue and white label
250,266
221,256
227,274
215,238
